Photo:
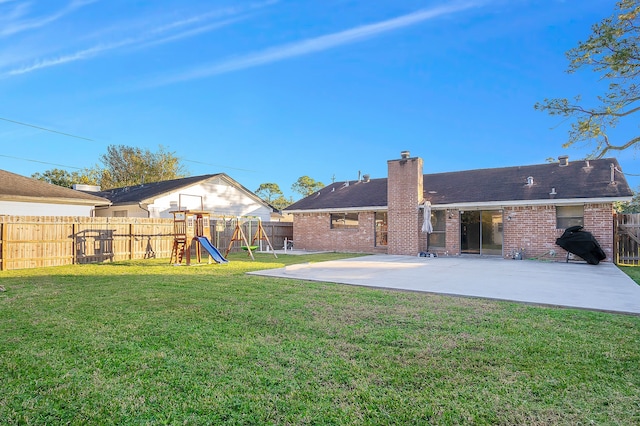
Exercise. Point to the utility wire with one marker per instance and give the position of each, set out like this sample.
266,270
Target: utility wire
217,165
45,129
41,162
625,173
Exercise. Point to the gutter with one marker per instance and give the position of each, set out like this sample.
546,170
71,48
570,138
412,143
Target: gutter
478,205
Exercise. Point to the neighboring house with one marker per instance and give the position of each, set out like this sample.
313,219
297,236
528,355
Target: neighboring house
215,193
23,196
498,211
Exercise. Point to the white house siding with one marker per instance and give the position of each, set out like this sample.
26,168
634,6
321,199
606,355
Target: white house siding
18,208
218,197
122,211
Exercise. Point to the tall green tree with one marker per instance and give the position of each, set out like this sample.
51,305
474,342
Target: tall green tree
613,51
67,179
306,186
268,191
126,166
281,202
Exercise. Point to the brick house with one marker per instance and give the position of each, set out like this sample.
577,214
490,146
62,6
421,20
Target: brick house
497,212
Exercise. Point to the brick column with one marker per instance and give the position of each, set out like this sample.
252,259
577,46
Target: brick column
404,195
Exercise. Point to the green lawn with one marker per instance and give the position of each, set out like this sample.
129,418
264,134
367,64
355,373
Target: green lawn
150,343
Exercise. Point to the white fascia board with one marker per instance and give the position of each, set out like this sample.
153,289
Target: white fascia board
54,200
522,203
482,205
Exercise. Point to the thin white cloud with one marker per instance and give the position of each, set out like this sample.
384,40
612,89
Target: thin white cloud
317,44
148,39
16,25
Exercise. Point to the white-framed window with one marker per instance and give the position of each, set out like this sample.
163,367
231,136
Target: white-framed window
344,220
567,216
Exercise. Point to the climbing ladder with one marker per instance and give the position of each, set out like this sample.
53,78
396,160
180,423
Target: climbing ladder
178,251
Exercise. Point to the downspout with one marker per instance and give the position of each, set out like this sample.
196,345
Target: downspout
146,210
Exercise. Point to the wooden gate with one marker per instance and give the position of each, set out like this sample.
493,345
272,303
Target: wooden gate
627,239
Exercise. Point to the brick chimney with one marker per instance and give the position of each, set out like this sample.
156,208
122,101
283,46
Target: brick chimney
404,195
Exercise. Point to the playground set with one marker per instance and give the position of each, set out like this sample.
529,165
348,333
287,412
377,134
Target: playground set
191,226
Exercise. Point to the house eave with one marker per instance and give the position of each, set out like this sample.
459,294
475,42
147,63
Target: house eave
477,205
51,200
521,203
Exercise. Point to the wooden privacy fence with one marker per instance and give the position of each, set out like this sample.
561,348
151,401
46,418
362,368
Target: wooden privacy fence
222,232
38,241
627,239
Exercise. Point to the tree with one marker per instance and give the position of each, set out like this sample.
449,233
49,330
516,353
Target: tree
126,166
267,191
630,207
281,203
306,186
613,51
64,178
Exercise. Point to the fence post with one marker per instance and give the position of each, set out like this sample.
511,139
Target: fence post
3,265
74,245
130,241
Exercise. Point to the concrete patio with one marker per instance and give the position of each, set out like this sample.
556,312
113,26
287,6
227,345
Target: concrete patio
602,287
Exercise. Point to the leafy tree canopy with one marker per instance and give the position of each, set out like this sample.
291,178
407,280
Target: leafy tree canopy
126,166
306,186
123,166
630,207
67,179
267,191
613,51
281,202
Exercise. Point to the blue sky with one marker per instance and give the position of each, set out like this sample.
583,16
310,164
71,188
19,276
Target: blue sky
271,90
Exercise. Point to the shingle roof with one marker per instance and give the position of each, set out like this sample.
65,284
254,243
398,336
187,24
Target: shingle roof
17,187
148,191
576,180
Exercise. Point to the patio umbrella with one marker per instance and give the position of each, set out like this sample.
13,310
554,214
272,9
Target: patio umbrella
426,223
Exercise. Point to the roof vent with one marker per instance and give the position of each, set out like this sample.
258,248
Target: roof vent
86,188
563,160
405,154
530,180
366,178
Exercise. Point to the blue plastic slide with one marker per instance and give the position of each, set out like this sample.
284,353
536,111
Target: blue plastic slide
212,250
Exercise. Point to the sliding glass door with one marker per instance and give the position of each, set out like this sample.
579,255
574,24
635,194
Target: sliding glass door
481,232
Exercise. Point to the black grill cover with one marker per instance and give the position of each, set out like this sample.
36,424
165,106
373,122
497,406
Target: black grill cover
581,243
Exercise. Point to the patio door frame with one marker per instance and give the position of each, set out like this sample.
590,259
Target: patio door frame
467,231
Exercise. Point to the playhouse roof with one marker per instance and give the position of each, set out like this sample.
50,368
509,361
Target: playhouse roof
549,183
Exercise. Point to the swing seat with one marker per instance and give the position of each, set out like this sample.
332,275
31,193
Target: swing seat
253,248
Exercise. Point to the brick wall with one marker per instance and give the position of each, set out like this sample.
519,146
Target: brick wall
312,231
453,232
598,219
404,194
534,229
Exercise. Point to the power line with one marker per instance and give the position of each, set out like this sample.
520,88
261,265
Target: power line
45,129
41,162
218,165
